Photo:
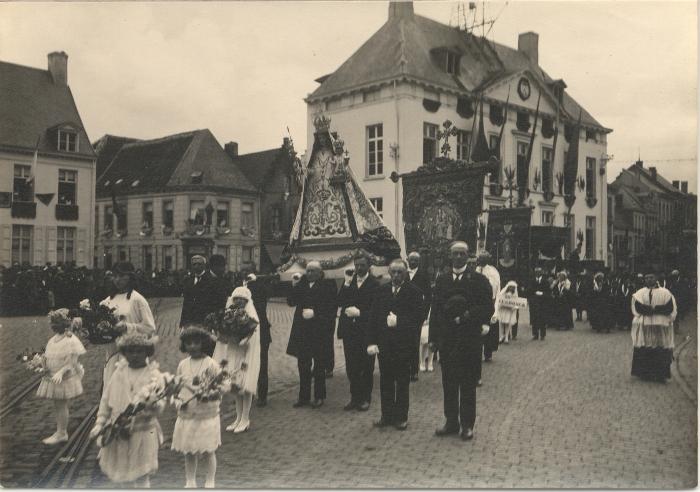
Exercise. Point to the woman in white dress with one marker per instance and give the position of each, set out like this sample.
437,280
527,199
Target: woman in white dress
244,357
131,308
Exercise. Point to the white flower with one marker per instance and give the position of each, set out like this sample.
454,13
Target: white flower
85,304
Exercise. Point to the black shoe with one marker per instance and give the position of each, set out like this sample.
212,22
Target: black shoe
414,378
350,406
261,403
402,426
446,431
535,337
467,435
300,404
363,407
317,403
381,423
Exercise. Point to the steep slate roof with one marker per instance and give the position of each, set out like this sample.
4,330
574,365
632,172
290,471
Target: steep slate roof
106,148
257,165
31,104
660,183
401,49
169,162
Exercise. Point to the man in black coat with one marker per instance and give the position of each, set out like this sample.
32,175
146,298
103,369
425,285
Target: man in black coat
396,315
420,279
355,302
202,294
260,289
460,316
538,296
314,318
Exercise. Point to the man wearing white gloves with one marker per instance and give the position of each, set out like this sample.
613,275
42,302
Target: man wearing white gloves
355,302
459,317
397,313
315,301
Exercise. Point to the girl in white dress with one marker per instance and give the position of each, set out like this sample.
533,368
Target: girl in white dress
197,431
131,308
505,315
62,380
243,357
134,459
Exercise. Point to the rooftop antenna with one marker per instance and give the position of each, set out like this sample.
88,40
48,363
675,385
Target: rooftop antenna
467,19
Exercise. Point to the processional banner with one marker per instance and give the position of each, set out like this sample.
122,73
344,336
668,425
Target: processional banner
508,242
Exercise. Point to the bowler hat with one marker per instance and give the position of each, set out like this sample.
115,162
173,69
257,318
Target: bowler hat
123,268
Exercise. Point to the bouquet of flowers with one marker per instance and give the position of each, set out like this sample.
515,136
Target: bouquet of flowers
209,387
33,360
98,323
230,325
163,386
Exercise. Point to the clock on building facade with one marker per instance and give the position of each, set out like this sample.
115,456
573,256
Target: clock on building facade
524,88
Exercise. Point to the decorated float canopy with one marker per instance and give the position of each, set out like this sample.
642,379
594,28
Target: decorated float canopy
335,221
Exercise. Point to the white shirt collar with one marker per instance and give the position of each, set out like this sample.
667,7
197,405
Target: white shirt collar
460,271
361,280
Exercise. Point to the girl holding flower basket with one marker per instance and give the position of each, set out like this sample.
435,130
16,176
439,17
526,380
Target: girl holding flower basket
63,374
238,342
197,431
126,428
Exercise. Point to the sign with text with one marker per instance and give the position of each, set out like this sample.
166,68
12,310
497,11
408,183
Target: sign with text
512,302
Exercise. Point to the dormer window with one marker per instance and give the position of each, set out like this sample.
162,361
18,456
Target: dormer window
67,141
452,65
446,59
196,177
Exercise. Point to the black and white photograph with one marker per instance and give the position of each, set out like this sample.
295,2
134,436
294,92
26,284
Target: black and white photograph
349,244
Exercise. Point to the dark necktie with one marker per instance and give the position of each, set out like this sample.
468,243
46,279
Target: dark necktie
650,296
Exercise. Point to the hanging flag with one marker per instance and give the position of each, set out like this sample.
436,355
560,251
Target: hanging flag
481,151
471,135
32,170
44,198
571,165
115,205
496,152
550,178
524,167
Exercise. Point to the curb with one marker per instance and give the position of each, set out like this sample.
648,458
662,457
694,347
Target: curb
677,375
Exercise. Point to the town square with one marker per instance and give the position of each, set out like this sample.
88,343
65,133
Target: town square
328,245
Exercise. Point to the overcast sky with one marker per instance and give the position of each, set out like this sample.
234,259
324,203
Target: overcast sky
242,69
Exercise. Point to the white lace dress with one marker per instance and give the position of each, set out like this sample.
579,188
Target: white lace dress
198,426
59,351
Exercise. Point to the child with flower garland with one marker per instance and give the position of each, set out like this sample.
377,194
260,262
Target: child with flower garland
131,458
197,431
63,377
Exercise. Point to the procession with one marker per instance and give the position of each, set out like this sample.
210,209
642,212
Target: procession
497,310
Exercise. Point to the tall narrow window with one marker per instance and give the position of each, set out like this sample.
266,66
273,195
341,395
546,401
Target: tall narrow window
547,169
97,221
223,251
247,254
22,244
430,142
108,257
452,63
65,245
375,150
122,253
378,204
590,177
67,183
247,215
463,145
122,217
167,258
23,189
276,220
521,152
547,218
494,145
147,215
67,141
222,214
148,258
590,237
197,212
168,213
109,218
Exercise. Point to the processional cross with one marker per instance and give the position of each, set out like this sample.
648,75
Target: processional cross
449,130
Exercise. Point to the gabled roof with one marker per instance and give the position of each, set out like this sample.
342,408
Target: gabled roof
33,107
660,183
402,47
106,148
170,162
257,165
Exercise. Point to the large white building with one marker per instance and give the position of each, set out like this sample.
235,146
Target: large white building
390,98
47,206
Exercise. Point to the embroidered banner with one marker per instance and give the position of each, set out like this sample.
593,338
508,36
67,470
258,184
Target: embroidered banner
508,241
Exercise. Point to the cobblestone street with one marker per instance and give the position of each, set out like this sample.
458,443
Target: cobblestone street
560,413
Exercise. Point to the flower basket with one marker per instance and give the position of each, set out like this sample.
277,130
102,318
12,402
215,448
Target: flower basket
231,325
98,323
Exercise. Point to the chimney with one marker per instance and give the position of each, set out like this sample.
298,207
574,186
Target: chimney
653,173
527,44
400,10
58,66
639,163
231,149
684,186
285,142
677,184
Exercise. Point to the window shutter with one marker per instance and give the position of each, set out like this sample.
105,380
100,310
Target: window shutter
80,247
38,246
51,244
6,245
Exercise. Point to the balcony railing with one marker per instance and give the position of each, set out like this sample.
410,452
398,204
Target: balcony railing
23,210
66,212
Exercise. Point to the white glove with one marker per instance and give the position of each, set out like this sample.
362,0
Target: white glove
307,313
244,342
95,430
348,280
296,278
251,277
484,329
372,350
538,293
494,318
391,320
352,312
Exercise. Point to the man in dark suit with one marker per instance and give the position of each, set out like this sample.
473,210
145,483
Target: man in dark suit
460,316
396,315
202,294
355,302
419,278
538,294
260,289
314,317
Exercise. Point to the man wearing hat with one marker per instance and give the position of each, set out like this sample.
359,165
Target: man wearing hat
538,295
201,293
460,314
